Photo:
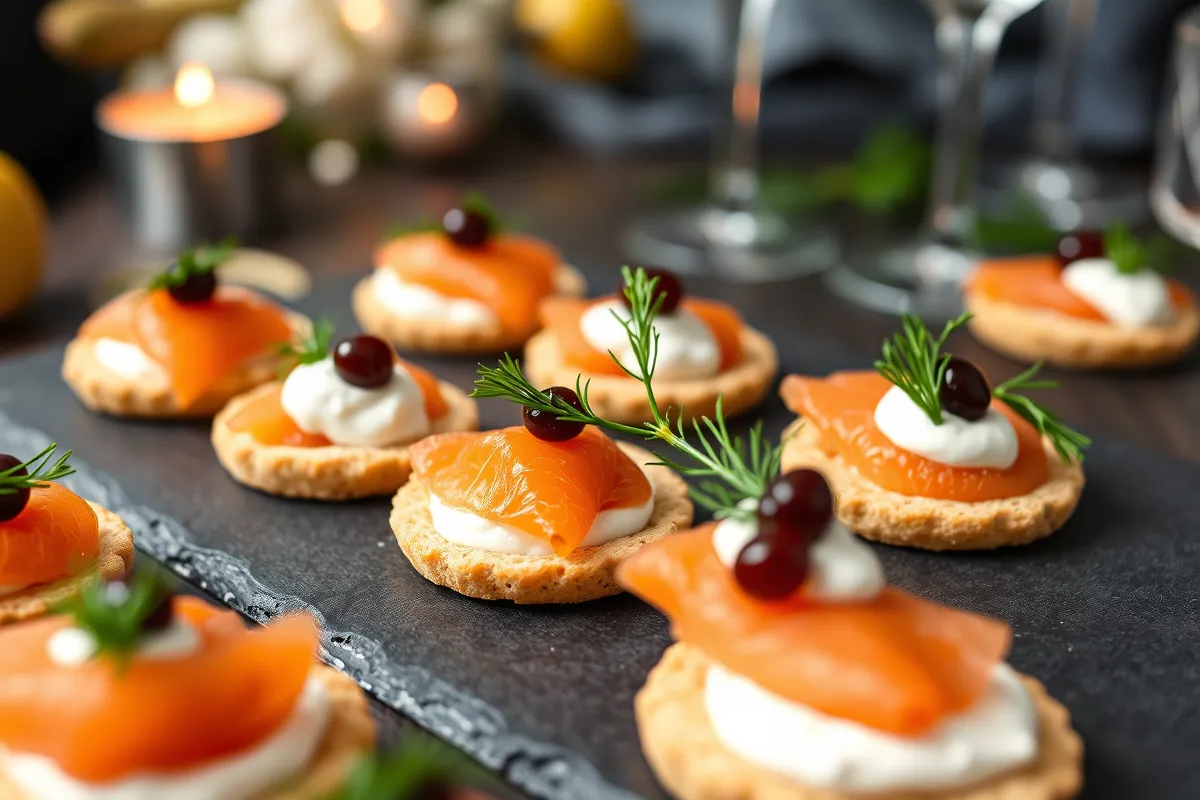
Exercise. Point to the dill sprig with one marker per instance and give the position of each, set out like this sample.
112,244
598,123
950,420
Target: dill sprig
729,468
1069,443
417,765
196,261
311,348
914,362
115,612
472,200
1132,255
37,473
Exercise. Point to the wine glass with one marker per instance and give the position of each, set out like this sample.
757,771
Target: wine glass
732,235
1067,191
1175,185
924,276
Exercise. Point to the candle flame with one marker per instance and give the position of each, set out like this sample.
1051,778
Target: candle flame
193,85
437,104
363,16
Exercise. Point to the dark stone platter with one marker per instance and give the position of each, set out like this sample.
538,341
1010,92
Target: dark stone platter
1106,612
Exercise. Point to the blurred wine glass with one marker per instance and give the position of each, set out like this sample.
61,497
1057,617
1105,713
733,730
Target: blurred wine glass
1175,185
732,235
1068,191
924,276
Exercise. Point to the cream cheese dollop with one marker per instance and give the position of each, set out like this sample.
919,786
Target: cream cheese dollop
999,732
1138,299
686,346
841,568
469,530
73,647
320,402
413,300
248,774
125,359
957,442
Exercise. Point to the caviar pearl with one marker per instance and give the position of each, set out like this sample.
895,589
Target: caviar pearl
549,427
466,228
12,504
196,288
1079,245
965,392
364,361
669,287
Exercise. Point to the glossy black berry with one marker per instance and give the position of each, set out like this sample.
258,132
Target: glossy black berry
1080,245
466,228
669,287
771,566
364,361
198,288
548,427
12,504
800,499
964,391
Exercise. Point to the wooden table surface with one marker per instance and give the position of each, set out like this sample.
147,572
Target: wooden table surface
582,205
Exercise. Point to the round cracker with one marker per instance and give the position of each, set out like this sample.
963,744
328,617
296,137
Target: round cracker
893,518
150,396
623,399
586,574
336,472
1031,334
349,736
688,758
425,335
114,560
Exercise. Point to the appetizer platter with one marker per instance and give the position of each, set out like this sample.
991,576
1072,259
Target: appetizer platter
1099,615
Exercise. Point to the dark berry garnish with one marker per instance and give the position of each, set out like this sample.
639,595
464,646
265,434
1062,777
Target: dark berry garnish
196,288
772,565
161,615
547,426
466,228
1080,245
364,361
669,287
12,504
433,790
801,500
965,392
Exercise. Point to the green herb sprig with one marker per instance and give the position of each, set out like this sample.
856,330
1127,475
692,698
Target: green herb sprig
38,473
472,200
730,468
312,347
196,261
914,362
115,613
419,763
1132,255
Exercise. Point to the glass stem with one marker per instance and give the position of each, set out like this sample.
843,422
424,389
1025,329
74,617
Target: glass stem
735,163
967,48
1066,27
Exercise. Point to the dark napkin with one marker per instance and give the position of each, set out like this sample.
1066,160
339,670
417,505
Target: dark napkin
1103,612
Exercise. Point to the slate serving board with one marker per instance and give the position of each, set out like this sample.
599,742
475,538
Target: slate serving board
1105,612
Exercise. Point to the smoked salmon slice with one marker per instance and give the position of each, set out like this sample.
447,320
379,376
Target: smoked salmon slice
510,273
197,344
265,420
563,314
1036,282
99,723
552,491
897,663
842,407
56,535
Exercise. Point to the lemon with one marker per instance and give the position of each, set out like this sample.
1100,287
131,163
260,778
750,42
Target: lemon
23,234
591,39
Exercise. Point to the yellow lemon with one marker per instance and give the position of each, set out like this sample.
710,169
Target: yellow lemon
22,236
592,39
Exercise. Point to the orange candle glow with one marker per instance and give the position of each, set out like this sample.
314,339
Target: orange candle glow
195,109
437,104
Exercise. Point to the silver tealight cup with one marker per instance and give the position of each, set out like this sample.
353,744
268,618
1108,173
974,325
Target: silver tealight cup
194,162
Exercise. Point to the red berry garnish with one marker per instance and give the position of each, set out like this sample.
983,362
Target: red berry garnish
1080,245
466,228
965,392
196,288
14,503
801,500
364,361
772,565
669,286
547,426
